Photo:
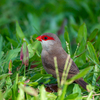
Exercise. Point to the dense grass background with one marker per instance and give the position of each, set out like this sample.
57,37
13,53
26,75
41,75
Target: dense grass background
74,21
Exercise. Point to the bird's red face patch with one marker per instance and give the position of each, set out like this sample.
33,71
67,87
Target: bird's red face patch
44,37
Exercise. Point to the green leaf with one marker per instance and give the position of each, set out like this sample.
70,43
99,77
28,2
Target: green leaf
28,90
80,57
31,52
93,34
1,95
8,82
95,75
76,89
93,61
71,96
92,52
4,75
14,43
97,47
36,45
38,76
8,93
1,39
19,31
81,47
12,54
21,94
82,33
89,87
90,95
42,93
66,35
32,83
15,88
51,96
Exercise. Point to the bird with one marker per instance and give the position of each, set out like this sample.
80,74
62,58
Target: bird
51,47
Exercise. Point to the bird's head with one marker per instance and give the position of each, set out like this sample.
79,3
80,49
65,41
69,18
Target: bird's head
49,41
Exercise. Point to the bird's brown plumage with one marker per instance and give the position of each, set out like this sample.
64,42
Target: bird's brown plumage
55,50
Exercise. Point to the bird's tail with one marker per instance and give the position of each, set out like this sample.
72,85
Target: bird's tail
82,83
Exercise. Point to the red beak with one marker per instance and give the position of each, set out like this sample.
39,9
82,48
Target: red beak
39,38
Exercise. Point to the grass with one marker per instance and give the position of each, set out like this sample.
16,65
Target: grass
77,25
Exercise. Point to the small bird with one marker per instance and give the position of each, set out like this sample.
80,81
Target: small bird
51,47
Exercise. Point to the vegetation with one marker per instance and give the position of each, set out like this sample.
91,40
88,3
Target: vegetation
76,22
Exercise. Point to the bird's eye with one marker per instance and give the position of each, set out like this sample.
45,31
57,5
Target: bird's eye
45,38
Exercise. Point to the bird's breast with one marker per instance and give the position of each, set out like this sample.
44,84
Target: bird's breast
48,62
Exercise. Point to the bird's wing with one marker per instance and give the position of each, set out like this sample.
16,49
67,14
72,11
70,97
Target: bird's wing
73,68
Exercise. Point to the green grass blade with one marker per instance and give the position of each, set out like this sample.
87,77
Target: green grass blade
79,75
92,52
65,77
95,75
93,34
42,93
57,72
65,71
82,33
4,75
1,39
19,31
76,89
